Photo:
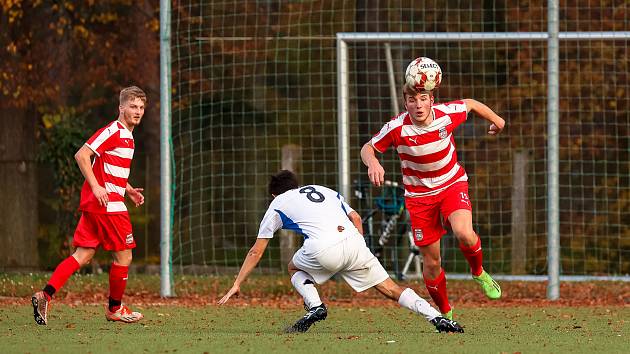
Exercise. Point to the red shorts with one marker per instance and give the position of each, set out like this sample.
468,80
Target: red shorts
425,212
112,231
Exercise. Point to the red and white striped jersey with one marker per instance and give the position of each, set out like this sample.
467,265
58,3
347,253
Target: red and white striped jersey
113,146
427,154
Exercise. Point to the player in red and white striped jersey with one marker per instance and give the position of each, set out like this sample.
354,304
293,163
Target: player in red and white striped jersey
435,183
104,219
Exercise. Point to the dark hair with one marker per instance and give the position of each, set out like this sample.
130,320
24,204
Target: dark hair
282,181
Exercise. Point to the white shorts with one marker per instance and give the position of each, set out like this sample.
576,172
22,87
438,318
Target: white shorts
350,258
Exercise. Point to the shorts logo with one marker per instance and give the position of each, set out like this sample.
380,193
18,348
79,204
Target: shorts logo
443,133
129,239
417,234
464,198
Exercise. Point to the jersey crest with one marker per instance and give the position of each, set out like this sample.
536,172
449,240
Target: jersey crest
443,133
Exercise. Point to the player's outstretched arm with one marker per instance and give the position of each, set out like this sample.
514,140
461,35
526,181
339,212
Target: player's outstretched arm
486,113
250,262
376,173
84,160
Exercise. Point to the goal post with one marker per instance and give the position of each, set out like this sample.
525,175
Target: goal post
166,202
552,39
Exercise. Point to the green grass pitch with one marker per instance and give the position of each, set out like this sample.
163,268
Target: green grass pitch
593,318
212,329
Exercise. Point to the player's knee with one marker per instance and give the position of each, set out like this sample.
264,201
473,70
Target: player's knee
123,258
432,261
301,278
465,234
83,256
432,268
83,261
291,268
127,259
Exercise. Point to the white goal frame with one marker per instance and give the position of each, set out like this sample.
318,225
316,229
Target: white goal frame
552,37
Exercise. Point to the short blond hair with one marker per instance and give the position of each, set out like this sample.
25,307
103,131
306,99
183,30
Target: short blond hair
411,91
131,93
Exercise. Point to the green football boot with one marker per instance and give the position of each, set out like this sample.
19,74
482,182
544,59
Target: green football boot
488,285
448,315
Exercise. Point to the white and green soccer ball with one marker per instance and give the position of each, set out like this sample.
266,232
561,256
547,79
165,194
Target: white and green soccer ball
424,74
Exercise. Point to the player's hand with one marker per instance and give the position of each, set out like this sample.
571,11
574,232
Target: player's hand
234,290
376,173
496,128
136,196
100,194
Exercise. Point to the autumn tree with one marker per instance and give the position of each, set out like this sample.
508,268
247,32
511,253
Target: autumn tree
58,57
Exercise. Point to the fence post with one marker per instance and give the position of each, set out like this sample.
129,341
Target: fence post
519,212
291,155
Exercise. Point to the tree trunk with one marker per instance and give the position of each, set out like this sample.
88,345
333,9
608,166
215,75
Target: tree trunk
291,156
519,212
18,188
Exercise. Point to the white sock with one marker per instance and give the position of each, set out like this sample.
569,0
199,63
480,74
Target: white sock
409,299
305,285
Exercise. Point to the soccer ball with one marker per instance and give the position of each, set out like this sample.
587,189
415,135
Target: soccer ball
424,74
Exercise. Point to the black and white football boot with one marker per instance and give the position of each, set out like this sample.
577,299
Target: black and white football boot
445,325
315,314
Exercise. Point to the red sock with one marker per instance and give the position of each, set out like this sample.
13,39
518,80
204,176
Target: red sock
63,272
474,255
117,283
437,290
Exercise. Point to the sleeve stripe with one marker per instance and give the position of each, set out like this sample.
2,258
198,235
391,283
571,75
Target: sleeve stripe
374,147
102,137
93,149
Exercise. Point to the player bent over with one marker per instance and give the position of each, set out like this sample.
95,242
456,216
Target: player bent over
333,244
104,218
436,185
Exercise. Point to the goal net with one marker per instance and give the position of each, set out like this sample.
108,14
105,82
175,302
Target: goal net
255,90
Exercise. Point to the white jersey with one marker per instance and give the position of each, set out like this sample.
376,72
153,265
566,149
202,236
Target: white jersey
317,213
